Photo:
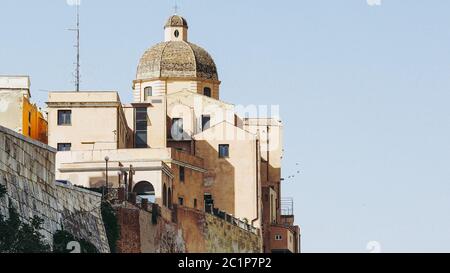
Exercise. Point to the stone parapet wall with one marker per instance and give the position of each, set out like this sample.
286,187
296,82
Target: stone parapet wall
27,169
185,231
222,237
207,233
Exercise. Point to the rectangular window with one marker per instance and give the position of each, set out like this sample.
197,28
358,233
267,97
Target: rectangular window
224,150
29,117
278,237
181,201
141,114
207,91
64,147
141,127
148,92
209,202
141,140
206,120
195,203
29,131
64,117
181,174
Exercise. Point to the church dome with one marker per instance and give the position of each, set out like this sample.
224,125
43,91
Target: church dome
177,59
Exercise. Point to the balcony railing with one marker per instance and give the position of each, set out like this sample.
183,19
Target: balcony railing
287,206
113,195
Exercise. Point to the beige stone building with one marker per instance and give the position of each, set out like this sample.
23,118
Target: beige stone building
178,140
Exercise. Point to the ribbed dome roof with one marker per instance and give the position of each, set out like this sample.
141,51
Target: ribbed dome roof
177,59
176,21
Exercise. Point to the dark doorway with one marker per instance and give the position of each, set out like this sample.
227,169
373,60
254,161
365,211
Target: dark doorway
209,203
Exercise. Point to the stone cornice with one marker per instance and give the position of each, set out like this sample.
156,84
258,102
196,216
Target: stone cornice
83,104
177,79
186,165
75,167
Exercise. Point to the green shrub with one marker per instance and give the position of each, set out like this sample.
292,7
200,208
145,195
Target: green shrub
111,225
19,237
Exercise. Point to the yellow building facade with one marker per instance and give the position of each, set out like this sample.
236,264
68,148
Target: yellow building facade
17,112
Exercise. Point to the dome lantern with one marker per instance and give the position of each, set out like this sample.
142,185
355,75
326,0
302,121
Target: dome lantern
176,29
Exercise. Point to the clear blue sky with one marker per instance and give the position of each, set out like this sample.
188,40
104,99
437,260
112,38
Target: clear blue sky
364,93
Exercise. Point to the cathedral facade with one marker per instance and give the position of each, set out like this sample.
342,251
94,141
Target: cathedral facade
177,143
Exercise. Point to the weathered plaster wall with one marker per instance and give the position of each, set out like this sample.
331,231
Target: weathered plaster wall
89,129
130,239
232,181
11,109
191,189
287,238
27,169
17,112
139,234
34,124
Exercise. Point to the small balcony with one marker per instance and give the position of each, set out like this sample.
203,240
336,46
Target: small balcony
287,206
287,212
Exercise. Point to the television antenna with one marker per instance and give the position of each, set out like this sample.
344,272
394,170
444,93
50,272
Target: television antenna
77,46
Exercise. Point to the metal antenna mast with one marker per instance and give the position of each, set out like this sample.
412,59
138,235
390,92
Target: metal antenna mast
78,66
77,84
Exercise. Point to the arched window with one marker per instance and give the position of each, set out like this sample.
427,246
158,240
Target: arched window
148,92
207,91
164,194
145,189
